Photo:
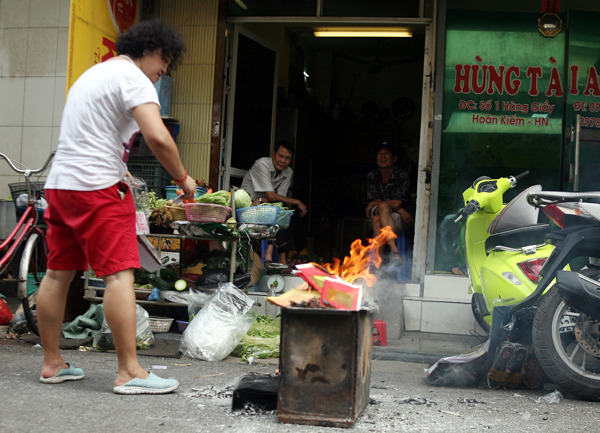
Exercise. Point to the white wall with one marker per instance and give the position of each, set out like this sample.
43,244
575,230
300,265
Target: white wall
33,69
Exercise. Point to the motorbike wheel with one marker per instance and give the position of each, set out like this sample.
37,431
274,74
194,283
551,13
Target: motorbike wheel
566,345
478,313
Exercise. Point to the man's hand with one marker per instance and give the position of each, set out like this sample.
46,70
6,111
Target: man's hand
302,208
188,187
406,217
371,206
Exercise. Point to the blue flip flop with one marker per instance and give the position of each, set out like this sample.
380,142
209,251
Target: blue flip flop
151,385
64,374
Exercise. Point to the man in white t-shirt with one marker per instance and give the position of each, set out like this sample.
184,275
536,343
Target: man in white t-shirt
91,213
268,181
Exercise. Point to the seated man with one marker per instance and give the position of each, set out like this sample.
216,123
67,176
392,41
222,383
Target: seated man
388,192
268,181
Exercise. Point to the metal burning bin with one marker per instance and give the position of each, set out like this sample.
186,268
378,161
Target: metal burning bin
325,366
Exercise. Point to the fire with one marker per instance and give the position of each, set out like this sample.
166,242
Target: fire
357,265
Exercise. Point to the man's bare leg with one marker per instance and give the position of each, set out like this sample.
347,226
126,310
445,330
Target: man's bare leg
384,212
50,307
282,258
120,314
268,255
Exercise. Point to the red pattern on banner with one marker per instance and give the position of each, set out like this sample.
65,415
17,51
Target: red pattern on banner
112,48
550,6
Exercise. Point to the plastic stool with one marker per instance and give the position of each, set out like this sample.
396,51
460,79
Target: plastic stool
263,248
379,333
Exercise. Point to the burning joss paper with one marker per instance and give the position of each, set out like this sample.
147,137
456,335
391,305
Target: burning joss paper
294,297
339,294
313,274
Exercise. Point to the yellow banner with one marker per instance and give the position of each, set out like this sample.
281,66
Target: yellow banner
93,29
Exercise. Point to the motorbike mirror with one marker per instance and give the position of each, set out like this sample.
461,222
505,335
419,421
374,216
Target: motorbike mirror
522,175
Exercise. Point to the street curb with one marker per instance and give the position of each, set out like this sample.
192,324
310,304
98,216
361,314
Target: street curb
414,357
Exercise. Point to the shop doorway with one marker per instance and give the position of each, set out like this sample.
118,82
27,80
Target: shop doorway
336,98
582,118
250,104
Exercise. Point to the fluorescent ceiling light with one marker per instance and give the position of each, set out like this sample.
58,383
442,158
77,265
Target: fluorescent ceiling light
241,4
363,32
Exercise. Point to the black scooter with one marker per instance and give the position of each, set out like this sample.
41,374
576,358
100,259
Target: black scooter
566,323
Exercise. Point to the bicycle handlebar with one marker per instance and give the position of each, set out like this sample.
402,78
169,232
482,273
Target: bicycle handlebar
28,172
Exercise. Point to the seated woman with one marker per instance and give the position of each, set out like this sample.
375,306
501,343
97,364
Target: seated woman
388,192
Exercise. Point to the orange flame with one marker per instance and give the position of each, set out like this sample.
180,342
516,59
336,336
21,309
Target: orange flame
357,265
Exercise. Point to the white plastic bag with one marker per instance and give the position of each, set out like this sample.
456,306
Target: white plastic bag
219,326
144,337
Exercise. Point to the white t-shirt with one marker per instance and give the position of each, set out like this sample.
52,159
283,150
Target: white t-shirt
97,126
263,177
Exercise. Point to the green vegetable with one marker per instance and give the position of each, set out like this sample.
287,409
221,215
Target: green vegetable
159,283
180,285
230,223
169,275
155,202
261,341
277,204
242,199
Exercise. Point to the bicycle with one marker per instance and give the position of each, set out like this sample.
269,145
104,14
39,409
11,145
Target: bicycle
28,236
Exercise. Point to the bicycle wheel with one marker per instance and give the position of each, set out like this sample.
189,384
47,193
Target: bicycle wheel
31,271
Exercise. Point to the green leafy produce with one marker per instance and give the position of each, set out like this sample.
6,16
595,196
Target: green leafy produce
261,341
278,204
242,199
155,202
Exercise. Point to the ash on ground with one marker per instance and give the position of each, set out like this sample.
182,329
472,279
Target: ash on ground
251,409
211,392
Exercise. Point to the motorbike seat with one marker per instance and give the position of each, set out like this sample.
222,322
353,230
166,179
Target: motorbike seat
520,237
579,292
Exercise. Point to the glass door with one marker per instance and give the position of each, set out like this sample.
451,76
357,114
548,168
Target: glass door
251,105
582,132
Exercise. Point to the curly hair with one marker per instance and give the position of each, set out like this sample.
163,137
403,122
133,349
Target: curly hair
149,36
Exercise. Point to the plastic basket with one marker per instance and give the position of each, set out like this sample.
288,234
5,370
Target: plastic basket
20,188
206,213
153,173
178,213
160,324
284,218
258,215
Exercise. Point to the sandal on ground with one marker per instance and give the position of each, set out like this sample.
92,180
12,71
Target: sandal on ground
64,374
396,260
151,385
497,375
515,366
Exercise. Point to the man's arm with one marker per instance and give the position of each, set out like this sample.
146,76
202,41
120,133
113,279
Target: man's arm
273,197
162,144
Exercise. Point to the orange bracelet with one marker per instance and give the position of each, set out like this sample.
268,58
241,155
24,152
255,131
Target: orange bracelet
182,180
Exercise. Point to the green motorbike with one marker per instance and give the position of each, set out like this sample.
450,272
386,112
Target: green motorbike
505,246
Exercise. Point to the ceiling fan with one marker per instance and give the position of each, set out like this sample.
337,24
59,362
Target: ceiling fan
375,66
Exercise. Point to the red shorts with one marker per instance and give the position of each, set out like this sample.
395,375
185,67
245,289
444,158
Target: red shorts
91,227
